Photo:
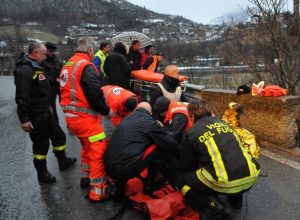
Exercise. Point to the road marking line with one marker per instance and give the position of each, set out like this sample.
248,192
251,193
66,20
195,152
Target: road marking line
281,159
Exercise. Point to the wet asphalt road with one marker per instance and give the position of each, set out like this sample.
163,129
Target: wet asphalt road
276,196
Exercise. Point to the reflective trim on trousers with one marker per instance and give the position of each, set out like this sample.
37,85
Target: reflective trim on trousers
96,181
97,137
59,148
39,157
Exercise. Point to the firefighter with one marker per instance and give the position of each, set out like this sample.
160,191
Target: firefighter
33,98
174,116
214,162
82,102
125,156
122,102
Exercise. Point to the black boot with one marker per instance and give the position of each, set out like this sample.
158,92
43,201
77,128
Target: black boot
236,201
64,162
42,172
85,182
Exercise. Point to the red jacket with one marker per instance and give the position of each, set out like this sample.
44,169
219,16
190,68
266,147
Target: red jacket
115,97
175,108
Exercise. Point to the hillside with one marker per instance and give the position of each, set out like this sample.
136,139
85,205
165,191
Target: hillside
63,13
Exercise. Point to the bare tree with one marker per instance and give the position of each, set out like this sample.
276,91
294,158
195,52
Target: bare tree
273,40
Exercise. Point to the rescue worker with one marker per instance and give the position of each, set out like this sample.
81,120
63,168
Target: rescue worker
174,116
82,102
134,56
125,156
52,66
122,102
214,162
33,98
100,58
151,63
169,86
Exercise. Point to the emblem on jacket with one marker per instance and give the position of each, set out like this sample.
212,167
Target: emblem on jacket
42,76
64,77
117,91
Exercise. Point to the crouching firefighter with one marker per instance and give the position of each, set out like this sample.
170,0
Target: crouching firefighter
213,163
174,116
33,107
131,150
121,102
82,102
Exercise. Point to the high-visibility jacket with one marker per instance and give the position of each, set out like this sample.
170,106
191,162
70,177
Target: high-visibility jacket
154,64
223,164
115,97
102,57
178,108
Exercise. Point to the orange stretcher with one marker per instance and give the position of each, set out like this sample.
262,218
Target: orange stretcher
144,80
151,76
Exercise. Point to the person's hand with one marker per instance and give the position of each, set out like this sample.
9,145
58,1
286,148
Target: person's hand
58,80
27,126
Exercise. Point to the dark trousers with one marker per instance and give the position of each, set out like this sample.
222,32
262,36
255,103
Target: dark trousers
54,93
156,161
46,127
200,196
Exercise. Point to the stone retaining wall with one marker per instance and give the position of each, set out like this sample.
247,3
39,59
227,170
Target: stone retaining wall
272,120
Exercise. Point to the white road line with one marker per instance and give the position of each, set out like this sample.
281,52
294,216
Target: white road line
281,159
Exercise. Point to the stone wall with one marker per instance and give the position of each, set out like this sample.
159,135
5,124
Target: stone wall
272,120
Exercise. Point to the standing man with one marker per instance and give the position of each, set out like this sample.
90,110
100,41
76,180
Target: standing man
82,102
152,62
52,68
134,56
35,113
100,58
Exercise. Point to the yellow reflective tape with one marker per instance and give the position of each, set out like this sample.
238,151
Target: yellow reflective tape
59,148
67,64
36,74
185,189
217,160
97,137
230,187
39,157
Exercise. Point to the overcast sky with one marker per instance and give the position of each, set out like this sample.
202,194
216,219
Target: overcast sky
202,11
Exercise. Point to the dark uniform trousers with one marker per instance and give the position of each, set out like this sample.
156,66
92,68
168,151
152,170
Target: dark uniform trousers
46,127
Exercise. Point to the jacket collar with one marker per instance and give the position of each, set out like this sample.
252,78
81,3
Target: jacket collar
83,55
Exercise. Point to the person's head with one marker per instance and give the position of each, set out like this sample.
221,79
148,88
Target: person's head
51,48
197,109
129,105
37,51
161,107
86,45
172,71
120,48
146,106
160,56
149,50
135,45
105,47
